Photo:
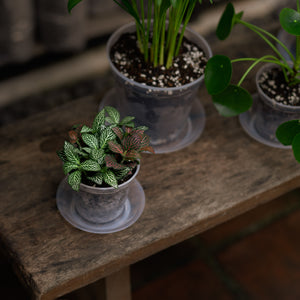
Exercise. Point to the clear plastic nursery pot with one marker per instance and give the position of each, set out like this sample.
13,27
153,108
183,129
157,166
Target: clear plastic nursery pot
101,210
175,116
266,114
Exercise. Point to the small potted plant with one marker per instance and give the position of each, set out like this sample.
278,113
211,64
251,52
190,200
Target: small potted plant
278,82
100,193
158,65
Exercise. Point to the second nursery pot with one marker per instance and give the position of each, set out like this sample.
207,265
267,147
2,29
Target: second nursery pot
102,209
266,114
175,116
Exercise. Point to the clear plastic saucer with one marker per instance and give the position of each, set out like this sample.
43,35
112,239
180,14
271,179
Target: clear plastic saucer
133,208
192,131
249,121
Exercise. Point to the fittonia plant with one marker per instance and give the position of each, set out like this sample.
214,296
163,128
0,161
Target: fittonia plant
107,152
232,99
159,42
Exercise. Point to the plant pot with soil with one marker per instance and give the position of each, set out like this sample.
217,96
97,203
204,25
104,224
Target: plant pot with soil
100,193
278,82
158,64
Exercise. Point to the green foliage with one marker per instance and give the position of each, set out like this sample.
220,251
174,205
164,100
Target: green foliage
231,99
158,42
108,152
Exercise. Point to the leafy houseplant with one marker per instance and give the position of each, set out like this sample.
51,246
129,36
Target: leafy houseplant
153,83
164,38
231,99
99,161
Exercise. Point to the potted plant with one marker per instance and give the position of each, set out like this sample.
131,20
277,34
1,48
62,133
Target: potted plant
158,64
278,82
100,193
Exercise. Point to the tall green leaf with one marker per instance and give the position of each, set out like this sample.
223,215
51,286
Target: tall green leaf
226,22
72,3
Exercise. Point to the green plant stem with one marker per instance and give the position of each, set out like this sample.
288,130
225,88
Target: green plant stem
256,61
261,33
187,18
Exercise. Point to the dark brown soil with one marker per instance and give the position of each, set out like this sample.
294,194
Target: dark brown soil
274,85
187,66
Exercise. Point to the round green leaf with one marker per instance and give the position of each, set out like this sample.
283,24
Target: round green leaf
226,22
296,147
290,21
286,131
218,73
233,101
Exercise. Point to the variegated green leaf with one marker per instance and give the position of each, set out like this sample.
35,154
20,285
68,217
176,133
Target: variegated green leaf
115,147
111,162
90,140
144,128
74,180
99,120
90,165
87,150
70,153
86,129
68,167
61,155
126,120
106,135
120,174
97,155
98,178
81,152
110,178
113,114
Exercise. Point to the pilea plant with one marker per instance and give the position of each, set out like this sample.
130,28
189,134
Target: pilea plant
164,39
232,99
107,152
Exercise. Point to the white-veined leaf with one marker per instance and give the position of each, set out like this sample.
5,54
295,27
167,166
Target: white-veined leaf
90,165
127,120
68,167
106,135
99,120
98,178
110,178
97,155
120,174
86,129
90,140
74,180
70,153
113,114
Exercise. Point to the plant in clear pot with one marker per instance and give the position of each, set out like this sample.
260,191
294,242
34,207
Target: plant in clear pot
158,64
278,81
100,193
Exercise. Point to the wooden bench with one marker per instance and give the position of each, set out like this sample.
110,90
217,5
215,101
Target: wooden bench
222,175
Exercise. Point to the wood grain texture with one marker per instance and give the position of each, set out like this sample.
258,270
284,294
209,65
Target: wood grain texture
220,176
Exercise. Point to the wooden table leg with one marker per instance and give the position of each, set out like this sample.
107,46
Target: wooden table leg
118,285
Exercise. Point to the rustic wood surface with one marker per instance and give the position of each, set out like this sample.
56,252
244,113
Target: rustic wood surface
220,176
